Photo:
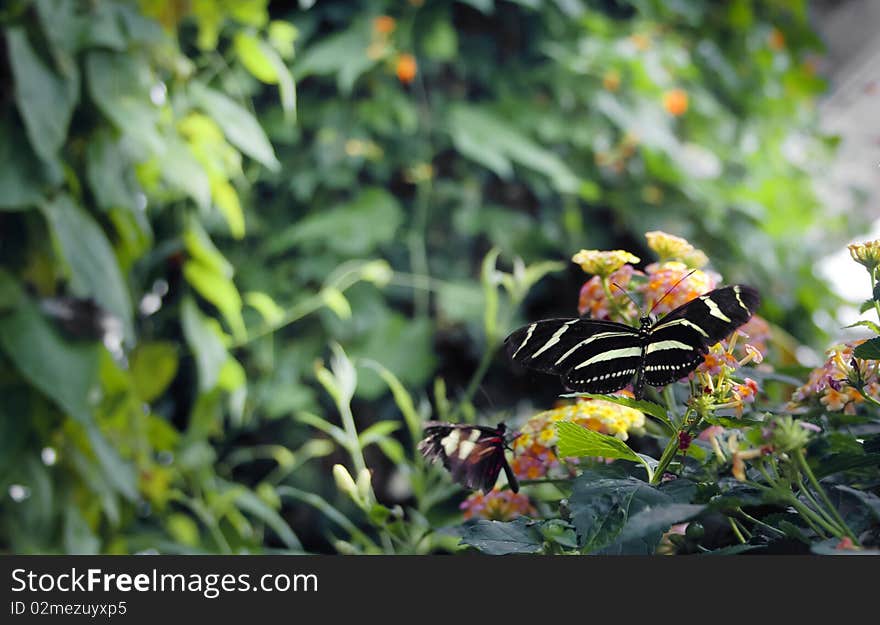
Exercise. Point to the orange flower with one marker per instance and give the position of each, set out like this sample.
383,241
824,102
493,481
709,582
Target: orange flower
777,39
406,68
384,24
675,101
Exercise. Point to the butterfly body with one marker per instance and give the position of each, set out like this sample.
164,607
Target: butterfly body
473,454
597,356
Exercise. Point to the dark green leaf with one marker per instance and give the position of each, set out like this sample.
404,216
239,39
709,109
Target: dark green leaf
64,371
94,270
45,99
240,127
601,505
869,350
153,366
499,538
249,502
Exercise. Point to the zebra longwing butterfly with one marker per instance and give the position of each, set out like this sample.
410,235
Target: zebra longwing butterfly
595,356
473,454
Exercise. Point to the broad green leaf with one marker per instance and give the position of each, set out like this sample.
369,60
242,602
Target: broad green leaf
44,98
648,407
119,85
119,473
202,248
108,170
603,500
343,54
220,291
503,538
412,366
205,342
867,498
576,441
354,228
64,371
226,199
238,124
183,529
646,526
24,178
869,350
254,54
182,172
440,41
485,138
94,270
78,537
153,366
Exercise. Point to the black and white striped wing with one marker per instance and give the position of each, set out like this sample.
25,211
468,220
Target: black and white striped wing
678,341
591,356
473,454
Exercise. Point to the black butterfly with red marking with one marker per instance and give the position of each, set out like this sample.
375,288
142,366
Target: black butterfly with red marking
595,356
473,454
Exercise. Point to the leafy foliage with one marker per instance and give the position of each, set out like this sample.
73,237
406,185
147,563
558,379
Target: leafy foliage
201,203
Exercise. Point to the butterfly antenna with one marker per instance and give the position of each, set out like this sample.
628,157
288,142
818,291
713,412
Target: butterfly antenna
625,292
670,289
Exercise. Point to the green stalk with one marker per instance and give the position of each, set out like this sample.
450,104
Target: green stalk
805,467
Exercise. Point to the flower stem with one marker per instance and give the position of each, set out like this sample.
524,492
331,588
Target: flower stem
805,467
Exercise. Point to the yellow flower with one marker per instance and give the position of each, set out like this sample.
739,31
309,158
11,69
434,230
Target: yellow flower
671,247
867,254
598,415
603,263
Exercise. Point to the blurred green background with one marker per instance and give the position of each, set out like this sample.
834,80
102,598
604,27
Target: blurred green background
197,198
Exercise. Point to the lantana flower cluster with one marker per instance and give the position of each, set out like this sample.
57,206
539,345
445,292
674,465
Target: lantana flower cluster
834,384
535,455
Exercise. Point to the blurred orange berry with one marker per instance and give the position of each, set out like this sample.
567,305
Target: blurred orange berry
777,39
611,80
675,101
384,24
406,68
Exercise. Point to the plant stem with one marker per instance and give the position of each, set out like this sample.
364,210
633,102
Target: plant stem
475,380
805,467
417,250
760,523
736,531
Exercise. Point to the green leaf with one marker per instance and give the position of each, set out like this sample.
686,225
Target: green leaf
867,324
64,371
492,142
413,365
254,53
78,536
108,171
220,291
153,366
45,99
489,279
648,407
401,397
867,498
94,270
869,350
271,312
226,199
119,85
206,343
24,178
249,502
119,473
499,538
645,527
240,127
603,500
343,55
576,441
353,228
